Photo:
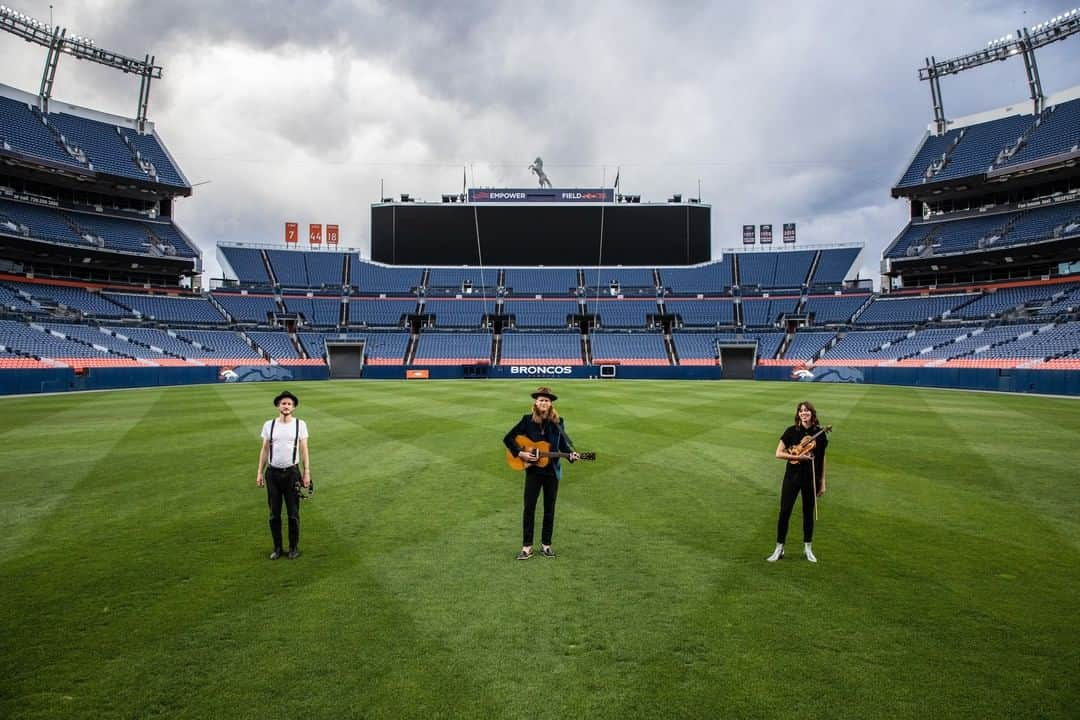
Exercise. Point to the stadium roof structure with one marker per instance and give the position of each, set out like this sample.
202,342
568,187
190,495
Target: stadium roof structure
58,42
1024,43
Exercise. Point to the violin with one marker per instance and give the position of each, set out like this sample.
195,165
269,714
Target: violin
807,444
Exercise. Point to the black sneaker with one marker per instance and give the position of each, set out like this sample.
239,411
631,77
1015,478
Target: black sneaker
524,555
293,554
547,552
278,552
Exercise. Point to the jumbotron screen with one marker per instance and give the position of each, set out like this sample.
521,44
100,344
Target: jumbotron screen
576,235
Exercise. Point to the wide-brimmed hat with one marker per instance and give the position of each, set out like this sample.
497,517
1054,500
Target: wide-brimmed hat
544,392
286,394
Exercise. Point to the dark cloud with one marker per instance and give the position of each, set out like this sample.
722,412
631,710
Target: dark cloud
783,111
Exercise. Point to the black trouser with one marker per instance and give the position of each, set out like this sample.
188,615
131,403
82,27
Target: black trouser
803,483
534,481
281,484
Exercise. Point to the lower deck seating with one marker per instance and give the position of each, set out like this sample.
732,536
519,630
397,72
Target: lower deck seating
629,348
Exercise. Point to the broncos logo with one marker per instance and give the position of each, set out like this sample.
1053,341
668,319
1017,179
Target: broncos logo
804,373
254,373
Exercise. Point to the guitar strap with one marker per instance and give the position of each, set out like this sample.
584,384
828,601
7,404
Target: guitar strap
563,436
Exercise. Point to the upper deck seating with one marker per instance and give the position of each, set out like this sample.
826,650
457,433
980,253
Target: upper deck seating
1058,132
289,268
775,269
247,263
325,269
625,279
965,152
711,279
456,280
370,278
833,266
22,130
541,281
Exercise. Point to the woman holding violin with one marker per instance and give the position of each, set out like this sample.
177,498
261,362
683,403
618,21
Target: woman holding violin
802,448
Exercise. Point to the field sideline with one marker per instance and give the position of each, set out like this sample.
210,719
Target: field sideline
134,548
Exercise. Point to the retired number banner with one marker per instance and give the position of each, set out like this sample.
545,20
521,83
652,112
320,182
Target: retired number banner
292,233
315,234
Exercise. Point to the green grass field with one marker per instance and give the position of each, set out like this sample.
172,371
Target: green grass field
136,583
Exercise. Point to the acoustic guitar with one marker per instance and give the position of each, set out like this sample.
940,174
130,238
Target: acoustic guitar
542,450
807,444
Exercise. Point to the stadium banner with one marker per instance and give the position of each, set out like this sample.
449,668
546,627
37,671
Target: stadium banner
331,234
544,195
766,235
292,233
315,234
749,234
789,232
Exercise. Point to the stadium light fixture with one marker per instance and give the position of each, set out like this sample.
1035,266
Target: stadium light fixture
1024,43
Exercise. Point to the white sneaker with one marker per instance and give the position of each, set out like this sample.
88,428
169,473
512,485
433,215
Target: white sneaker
809,554
777,554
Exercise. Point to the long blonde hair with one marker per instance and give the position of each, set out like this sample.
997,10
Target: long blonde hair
553,415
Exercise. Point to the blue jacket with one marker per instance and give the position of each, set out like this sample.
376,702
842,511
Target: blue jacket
553,434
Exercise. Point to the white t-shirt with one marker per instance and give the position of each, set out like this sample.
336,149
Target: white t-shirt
281,445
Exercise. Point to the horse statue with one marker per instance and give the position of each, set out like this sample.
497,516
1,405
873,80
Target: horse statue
537,168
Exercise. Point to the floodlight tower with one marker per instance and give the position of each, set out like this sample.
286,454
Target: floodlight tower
1023,43
57,41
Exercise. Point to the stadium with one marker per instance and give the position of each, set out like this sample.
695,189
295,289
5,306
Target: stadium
135,543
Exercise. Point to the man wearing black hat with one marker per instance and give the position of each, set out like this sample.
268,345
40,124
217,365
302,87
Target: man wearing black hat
543,424
284,441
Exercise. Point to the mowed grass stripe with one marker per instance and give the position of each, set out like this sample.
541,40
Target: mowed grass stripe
934,595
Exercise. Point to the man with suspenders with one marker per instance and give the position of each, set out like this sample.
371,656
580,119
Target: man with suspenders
284,441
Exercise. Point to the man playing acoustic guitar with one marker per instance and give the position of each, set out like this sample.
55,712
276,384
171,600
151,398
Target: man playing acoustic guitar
541,428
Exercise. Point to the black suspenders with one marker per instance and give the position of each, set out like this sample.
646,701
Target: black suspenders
296,440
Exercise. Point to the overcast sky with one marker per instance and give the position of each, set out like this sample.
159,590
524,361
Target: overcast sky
800,112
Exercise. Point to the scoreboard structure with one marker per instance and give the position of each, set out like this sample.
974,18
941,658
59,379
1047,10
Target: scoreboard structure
554,227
